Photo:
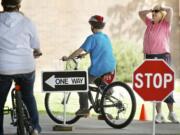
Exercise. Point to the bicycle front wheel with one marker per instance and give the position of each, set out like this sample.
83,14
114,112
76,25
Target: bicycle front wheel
54,104
118,105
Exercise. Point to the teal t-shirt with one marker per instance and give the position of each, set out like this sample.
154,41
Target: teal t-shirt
100,48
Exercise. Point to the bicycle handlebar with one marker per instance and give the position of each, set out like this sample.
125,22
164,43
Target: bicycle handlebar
75,59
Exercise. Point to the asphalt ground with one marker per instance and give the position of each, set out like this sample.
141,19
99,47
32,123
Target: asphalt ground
92,126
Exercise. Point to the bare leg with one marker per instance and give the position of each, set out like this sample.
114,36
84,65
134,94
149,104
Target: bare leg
170,107
158,107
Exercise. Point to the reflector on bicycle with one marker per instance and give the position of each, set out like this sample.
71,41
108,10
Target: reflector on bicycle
17,87
109,78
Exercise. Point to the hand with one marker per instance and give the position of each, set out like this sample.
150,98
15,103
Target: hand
65,58
37,53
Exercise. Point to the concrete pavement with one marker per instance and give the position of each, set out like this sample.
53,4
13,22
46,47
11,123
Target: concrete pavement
92,126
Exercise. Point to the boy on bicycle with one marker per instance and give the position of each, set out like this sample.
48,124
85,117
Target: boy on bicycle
99,46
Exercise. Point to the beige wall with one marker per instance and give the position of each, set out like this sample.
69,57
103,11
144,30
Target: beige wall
62,24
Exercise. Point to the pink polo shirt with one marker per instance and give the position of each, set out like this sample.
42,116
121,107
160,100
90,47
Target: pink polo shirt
156,37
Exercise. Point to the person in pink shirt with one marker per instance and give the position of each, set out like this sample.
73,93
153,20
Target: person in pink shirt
156,46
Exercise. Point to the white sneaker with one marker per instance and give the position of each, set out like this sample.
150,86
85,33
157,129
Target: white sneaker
35,132
172,117
160,118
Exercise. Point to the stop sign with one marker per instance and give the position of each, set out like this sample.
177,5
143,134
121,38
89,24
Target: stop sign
153,80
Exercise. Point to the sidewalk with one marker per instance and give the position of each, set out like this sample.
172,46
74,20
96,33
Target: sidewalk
91,126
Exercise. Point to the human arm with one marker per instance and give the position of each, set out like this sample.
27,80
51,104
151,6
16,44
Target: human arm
73,55
143,14
85,47
34,41
169,13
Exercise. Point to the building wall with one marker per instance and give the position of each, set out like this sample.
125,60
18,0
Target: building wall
63,25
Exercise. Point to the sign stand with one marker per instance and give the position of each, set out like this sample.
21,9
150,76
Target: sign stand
65,81
154,124
63,127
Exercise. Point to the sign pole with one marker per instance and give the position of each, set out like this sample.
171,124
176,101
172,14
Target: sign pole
64,108
154,124
63,127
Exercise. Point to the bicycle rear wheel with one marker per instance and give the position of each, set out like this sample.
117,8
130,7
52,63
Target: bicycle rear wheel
118,105
54,104
27,121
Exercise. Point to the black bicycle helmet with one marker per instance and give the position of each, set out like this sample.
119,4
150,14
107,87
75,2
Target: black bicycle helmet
10,3
97,21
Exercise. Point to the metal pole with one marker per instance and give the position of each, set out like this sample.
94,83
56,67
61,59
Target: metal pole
154,124
64,108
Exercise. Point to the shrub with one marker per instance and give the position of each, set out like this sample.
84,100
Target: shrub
128,56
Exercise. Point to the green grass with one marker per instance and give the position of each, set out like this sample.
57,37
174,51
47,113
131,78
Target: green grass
177,88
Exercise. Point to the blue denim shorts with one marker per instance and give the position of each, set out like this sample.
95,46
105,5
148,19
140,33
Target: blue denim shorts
167,58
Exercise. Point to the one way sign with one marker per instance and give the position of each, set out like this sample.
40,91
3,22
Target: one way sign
65,81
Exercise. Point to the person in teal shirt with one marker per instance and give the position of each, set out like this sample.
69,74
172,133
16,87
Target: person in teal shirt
99,46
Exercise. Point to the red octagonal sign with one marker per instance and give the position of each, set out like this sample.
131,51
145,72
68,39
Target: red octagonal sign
153,80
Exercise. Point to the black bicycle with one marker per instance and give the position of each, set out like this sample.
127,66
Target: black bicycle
115,102
19,113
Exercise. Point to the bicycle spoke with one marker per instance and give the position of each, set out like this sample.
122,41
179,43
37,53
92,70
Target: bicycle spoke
54,104
119,102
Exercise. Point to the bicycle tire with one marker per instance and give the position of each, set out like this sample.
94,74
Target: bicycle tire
133,102
20,113
52,116
27,121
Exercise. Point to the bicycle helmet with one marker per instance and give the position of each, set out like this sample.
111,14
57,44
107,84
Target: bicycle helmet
10,3
97,21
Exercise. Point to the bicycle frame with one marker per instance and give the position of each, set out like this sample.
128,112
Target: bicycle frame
95,103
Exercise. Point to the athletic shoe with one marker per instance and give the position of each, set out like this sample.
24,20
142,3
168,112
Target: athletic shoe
172,117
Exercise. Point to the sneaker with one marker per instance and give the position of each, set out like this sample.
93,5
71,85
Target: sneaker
173,118
35,132
83,112
101,117
160,118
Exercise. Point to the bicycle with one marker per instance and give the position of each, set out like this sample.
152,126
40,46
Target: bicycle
19,113
114,99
